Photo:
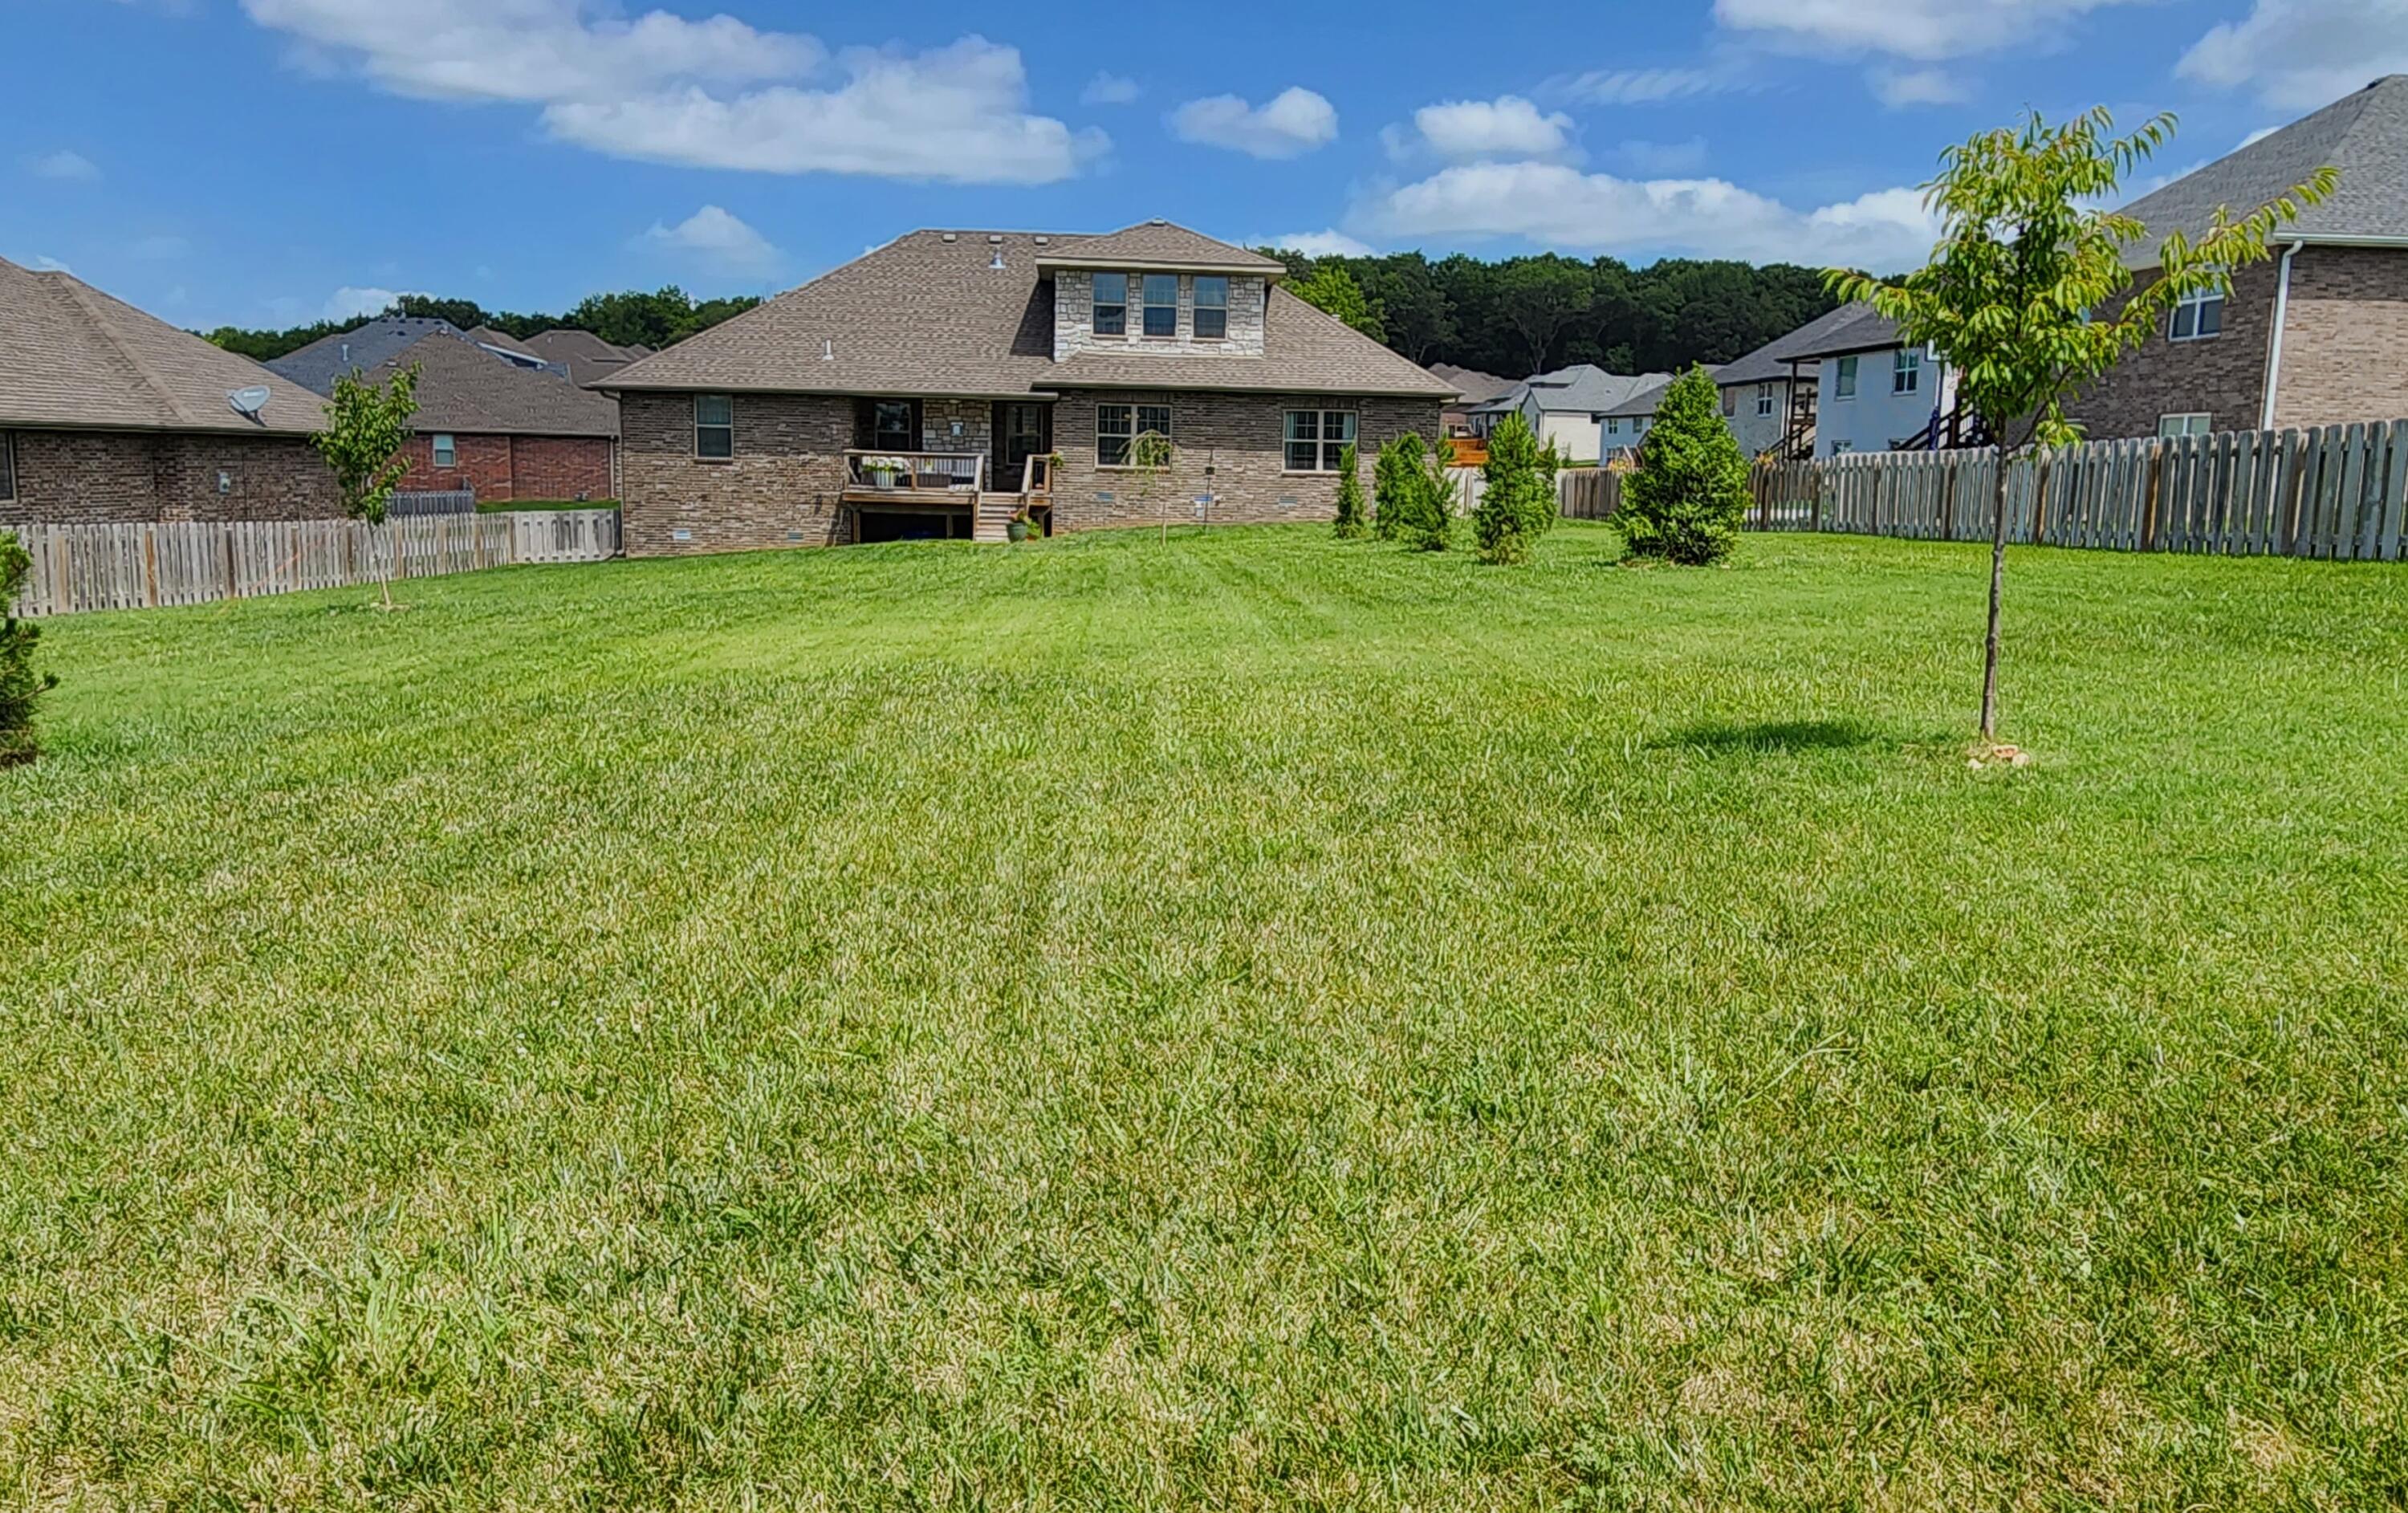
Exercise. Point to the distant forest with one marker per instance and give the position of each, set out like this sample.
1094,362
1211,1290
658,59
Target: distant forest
1513,318
630,319
1527,315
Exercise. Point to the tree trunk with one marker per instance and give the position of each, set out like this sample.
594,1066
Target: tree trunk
1998,582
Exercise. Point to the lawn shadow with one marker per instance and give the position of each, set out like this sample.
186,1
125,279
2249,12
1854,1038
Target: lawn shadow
1769,736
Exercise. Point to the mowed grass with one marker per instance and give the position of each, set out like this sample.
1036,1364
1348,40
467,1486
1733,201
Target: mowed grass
1239,1021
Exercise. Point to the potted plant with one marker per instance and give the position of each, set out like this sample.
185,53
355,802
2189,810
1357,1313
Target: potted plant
1021,526
882,470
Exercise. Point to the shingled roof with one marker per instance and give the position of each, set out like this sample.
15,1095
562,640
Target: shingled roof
72,357
928,314
1851,328
317,366
1154,244
585,356
2364,135
464,388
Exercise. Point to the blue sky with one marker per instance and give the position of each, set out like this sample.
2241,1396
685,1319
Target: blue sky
271,162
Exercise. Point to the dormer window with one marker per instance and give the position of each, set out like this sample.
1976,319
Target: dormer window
1161,303
1112,304
1211,306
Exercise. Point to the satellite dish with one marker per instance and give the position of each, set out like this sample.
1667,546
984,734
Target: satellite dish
251,401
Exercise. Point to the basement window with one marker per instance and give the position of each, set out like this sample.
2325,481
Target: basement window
2198,317
446,454
714,427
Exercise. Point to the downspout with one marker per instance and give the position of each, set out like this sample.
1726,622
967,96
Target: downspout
2274,344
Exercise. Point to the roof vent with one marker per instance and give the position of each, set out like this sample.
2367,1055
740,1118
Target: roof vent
1157,221
953,236
1042,242
994,241
996,262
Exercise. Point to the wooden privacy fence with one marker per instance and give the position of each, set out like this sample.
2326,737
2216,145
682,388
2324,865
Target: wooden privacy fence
87,567
2335,491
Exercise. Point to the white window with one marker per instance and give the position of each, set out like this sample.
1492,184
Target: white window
1211,306
446,454
1118,426
1844,379
1906,371
2198,317
714,426
1613,426
1839,447
1730,402
7,465
1764,399
1112,304
1161,291
1317,438
2189,423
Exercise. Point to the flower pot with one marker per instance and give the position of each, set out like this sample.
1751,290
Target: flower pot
1016,531
881,477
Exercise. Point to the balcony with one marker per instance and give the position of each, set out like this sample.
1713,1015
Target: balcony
914,478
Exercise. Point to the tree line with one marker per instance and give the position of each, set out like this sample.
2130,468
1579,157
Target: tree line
1526,314
628,318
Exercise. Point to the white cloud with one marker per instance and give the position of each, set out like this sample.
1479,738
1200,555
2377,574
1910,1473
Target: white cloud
64,164
1322,244
1926,30
1109,89
348,304
1642,86
952,115
719,239
2299,54
1561,207
1508,126
51,264
1291,124
1898,88
715,92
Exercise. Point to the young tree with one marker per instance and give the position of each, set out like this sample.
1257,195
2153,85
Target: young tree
1350,495
1331,289
1686,500
1430,522
20,687
1517,497
1394,487
2028,297
366,429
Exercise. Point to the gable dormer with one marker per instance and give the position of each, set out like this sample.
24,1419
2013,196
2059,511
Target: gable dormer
1157,288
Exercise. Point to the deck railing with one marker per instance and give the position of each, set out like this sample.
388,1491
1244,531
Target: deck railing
917,472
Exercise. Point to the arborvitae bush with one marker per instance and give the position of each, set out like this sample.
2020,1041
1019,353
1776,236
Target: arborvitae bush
1432,519
1686,500
20,687
1517,500
1392,489
1350,496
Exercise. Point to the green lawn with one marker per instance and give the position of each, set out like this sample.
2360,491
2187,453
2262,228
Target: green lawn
1237,1021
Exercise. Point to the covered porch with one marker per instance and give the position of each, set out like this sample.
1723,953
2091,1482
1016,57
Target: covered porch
943,468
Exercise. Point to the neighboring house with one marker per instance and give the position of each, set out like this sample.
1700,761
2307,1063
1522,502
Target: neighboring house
1757,404
586,357
316,366
1872,392
110,415
2316,336
508,348
1565,409
1472,388
974,357
502,430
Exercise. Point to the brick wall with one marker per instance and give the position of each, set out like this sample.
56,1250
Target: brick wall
2345,341
102,477
1242,437
2224,376
513,467
1074,318
784,488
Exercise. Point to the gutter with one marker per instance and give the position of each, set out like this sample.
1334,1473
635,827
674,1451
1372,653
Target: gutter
2275,343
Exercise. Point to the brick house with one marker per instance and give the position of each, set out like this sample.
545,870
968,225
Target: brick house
2318,336
505,426
108,415
1002,373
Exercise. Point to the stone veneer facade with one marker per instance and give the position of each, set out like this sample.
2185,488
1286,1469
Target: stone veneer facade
79,478
786,484
1074,318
